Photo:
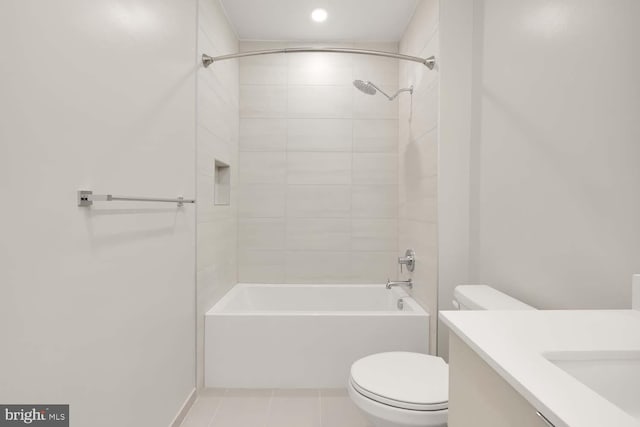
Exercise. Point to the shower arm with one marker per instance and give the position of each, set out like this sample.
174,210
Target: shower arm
391,98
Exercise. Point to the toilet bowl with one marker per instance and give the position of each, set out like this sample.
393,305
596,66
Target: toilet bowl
404,389
401,389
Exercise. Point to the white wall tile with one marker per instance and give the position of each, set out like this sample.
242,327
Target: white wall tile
212,148
375,168
375,201
375,145
379,70
419,157
424,114
204,189
341,173
371,135
263,134
319,69
417,148
420,236
261,201
374,234
261,233
373,267
262,167
318,168
320,101
214,112
217,139
221,231
318,234
375,128
263,70
318,201
318,267
256,266
419,200
211,286
263,101
319,135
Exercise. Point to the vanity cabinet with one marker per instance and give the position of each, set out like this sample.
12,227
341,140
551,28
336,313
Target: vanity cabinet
480,397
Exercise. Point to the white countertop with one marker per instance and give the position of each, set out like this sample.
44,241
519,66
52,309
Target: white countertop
513,343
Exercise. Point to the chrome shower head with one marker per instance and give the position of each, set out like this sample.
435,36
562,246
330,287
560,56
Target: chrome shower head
371,89
363,87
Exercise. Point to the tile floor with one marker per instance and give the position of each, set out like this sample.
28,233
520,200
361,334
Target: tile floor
274,408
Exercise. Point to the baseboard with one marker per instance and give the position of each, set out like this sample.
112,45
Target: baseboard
184,410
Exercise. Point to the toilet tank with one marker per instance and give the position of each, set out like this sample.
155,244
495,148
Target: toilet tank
483,297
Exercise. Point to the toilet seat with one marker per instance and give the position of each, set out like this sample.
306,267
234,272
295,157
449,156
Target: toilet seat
404,380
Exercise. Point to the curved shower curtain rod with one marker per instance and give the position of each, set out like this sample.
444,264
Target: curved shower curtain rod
429,62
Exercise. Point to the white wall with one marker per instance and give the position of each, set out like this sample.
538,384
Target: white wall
418,157
217,135
318,168
554,180
554,174
456,53
97,305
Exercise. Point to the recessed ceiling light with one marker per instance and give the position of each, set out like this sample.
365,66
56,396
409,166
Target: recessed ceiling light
319,15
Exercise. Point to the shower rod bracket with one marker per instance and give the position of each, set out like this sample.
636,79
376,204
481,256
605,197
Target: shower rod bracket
207,60
86,199
429,62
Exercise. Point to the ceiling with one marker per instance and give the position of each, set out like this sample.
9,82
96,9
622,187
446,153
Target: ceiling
349,20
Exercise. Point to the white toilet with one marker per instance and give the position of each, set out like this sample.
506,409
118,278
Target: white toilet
398,389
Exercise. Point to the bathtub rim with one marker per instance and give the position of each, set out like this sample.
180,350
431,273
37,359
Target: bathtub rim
218,309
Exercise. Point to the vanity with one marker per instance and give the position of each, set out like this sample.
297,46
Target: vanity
564,368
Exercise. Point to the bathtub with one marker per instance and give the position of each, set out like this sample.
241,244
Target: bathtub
305,336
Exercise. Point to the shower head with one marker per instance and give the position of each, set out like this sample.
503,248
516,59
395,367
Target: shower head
371,89
363,87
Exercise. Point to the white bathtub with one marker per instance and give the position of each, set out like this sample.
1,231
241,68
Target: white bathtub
305,336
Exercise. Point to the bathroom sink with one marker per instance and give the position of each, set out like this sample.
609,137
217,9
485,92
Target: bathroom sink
613,375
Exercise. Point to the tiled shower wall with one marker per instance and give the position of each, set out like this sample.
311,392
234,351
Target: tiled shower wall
217,140
418,157
318,171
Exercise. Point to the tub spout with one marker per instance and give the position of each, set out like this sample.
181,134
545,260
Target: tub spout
407,283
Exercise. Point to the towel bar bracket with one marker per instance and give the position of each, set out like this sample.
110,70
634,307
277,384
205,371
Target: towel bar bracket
83,198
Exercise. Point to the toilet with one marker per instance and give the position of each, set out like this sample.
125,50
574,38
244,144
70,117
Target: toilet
398,389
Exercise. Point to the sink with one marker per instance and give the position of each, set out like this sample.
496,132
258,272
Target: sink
614,375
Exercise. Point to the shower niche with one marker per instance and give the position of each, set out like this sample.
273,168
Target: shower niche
222,184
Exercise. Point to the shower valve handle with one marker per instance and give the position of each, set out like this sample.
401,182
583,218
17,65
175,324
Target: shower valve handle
409,259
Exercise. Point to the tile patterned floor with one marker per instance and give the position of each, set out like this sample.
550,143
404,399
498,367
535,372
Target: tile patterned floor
274,408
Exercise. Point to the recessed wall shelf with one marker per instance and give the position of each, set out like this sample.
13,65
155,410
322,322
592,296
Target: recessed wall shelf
222,184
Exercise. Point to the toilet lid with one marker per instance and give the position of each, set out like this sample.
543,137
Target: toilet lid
404,380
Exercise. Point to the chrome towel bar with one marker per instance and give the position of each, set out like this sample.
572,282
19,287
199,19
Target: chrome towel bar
86,199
